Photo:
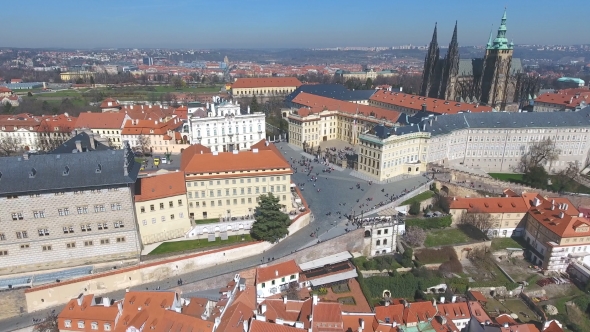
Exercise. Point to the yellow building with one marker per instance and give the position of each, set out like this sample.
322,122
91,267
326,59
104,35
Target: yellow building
228,184
267,86
74,75
107,125
161,207
387,153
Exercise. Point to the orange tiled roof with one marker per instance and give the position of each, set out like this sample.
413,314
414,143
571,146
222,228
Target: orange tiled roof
87,311
505,319
327,313
520,328
160,186
478,312
415,102
234,317
478,296
260,326
395,313
489,204
192,161
419,312
316,104
5,89
275,271
100,120
353,322
271,82
553,327
187,154
564,98
277,308
457,310
150,127
246,297
113,103
57,123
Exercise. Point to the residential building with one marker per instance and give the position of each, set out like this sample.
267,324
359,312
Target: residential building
321,119
5,92
328,270
567,100
412,104
507,213
110,105
55,130
267,86
223,128
22,129
89,312
13,100
274,279
75,75
364,75
383,235
107,125
67,209
228,184
389,153
154,136
161,207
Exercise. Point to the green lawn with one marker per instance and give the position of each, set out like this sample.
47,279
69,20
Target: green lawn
179,246
504,242
518,178
445,237
61,93
206,221
418,198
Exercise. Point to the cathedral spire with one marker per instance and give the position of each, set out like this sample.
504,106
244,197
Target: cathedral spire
501,42
454,39
490,40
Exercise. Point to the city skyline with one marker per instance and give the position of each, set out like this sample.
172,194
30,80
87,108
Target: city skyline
265,24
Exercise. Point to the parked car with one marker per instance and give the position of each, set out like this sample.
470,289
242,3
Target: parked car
156,161
164,160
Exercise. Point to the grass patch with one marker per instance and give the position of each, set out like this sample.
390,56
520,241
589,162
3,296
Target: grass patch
418,198
179,246
433,256
430,223
445,237
518,178
206,221
505,242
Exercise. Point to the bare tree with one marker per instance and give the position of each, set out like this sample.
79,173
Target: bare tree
539,153
51,137
479,220
292,291
49,324
143,143
9,146
415,236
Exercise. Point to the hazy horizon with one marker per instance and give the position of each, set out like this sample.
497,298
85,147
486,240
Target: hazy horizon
262,24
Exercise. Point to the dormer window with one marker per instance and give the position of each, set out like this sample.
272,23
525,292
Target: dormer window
107,326
81,324
98,168
66,171
32,173
68,323
55,128
94,325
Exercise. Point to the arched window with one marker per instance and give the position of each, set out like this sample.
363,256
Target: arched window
384,241
378,242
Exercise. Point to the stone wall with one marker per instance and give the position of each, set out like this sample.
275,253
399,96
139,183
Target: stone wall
462,253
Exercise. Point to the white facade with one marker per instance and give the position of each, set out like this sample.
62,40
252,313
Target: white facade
275,286
224,128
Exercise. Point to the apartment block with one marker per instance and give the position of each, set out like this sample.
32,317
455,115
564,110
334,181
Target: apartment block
107,125
228,184
271,86
161,207
67,209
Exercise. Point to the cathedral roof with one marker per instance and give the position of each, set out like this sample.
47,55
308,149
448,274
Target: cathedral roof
473,67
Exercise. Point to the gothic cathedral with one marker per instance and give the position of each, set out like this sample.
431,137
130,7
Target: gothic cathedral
495,80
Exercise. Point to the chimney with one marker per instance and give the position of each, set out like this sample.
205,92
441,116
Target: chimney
245,325
423,107
255,150
279,321
298,325
434,302
315,299
79,145
276,271
387,303
248,109
454,299
106,302
442,299
561,215
580,214
262,308
91,139
405,303
26,156
284,299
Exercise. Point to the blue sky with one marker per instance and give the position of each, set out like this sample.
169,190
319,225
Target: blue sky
284,24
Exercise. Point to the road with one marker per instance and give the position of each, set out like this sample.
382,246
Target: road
335,196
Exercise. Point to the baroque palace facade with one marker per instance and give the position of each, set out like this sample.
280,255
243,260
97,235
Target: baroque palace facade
496,80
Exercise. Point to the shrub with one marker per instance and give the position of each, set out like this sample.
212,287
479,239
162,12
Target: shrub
414,208
415,236
431,256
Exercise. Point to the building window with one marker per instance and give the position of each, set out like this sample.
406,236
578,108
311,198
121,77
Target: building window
88,243
24,246
71,245
161,206
171,204
94,325
82,209
142,209
47,248
115,206
2,237
102,226
119,224
107,326
21,235
163,218
121,239
17,216
263,285
39,214
86,228
105,241
3,252
180,202
43,232
153,220
99,208
68,229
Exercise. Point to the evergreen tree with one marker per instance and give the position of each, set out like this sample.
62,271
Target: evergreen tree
271,224
254,106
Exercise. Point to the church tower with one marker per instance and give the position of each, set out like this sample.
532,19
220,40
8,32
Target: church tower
450,70
496,69
429,80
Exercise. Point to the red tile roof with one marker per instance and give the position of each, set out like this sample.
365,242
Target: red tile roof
327,315
234,317
391,313
274,82
564,222
520,328
57,123
160,186
553,327
260,326
415,102
150,127
353,322
505,319
110,103
87,311
564,98
478,312
419,312
277,308
489,204
316,104
192,161
5,89
478,296
276,271
100,120
457,310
